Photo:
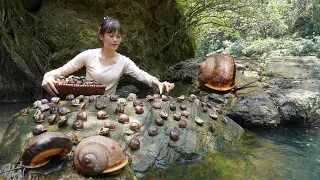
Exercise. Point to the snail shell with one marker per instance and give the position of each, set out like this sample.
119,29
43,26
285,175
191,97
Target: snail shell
213,115
156,105
52,119
153,130
98,154
163,114
63,122
177,116
174,134
122,102
72,136
23,112
139,109
39,149
172,106
134,143
38,118
38,129
185,113
132,97
119,109
102,114
69,97
183,107
54,109
159,121
213,128
114,98
109,124
63,111
199,121
164,98
55,100
123,118
135,125
77,125
183,123
82,115
100,105
137,102
75,102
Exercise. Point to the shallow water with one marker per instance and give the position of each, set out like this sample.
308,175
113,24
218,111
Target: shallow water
262,154
282,153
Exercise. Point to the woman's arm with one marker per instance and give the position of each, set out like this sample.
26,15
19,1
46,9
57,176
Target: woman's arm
50,77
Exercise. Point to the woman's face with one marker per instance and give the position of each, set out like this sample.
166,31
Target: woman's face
111,41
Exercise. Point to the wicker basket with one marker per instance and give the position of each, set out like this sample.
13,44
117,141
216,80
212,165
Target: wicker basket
76,89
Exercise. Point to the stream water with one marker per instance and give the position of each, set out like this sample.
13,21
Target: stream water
282,153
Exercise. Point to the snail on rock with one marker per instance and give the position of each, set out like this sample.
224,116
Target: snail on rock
98,154
38,151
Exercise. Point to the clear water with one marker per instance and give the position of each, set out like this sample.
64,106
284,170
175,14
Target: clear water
282,153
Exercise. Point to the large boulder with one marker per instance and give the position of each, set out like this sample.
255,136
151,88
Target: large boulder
195,140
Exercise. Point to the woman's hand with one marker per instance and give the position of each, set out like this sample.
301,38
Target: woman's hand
47,84
167,85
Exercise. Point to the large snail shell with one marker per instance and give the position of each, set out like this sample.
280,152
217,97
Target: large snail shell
98,154
39,149
217,72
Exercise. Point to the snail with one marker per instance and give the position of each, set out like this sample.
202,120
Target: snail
82,115
213,115
102,114
183,107
55,100
163,114
77,125
98,154
164,98
123,118
132,97
139,109
183,123
137,102
23,112
177,116
75,102
108,124
63,111
122,102
172,106
52,119
54,109
185,113
72,136
38,129
63,122
153,130
134,143
114,98
119,109
199,121
69,97
100,105
38,118
82,106
135,125
174,134
39,149
159,121
213,128
157,105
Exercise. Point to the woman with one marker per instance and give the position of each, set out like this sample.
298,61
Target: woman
104,64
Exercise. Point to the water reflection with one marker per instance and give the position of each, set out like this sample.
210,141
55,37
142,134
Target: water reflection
262,154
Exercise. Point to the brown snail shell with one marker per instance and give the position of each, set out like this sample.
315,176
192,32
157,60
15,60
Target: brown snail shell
134,143
183,123
217,72
172,106
55,100
156,105
123,118
38,118
77,124
100,105
159,121
109,124
63,122
23,112
149,97
135,125
52,119
131,97
177,116
69,97
137,102
38,129
199,121
104,131
39,149
163,114
183,107
82,115
98,154
63,111
75,102
185,113
80,97
44,107
92,98
82,106
54,109
102,114
174,134
119,109
72,136
153,130
139,109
